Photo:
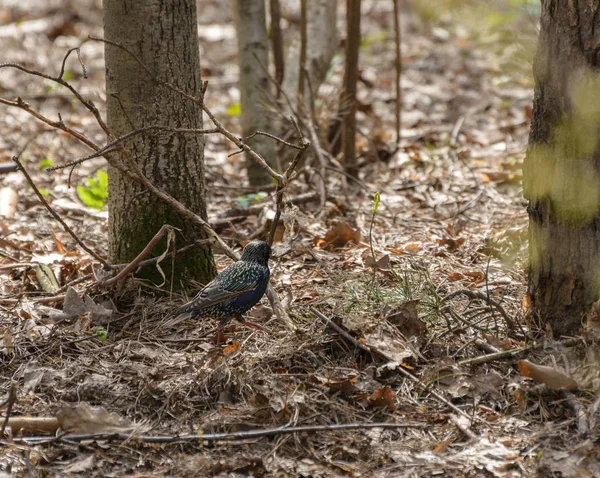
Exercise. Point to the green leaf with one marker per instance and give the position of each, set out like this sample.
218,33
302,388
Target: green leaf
102,179
68,75
88,198
43,192
234,110
247,199
95,193
101,334
376,202
45,163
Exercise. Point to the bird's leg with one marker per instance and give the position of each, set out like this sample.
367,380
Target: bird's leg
220,337
248,323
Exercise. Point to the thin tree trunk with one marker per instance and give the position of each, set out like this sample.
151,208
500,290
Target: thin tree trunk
348,100
398,64
302,61
562,168
250,16
163,34
277,42
321,43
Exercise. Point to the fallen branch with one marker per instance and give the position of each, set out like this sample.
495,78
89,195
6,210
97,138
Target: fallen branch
214,437
512,352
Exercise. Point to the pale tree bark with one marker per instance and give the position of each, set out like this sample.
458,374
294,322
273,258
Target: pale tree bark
562,168
163,34
253,50
321,43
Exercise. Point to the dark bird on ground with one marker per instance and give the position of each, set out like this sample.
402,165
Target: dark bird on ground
233,292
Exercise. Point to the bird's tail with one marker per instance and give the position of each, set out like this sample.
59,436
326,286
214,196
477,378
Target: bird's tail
184,312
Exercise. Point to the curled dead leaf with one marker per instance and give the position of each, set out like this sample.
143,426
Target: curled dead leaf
412,248
455,276
340,235
451,242
406,318
84,419
382,264
526,303
8,341
553,379
383,398
231,349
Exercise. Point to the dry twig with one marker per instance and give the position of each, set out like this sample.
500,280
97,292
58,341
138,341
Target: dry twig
216,437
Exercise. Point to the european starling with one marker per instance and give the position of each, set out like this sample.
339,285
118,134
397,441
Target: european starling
234,291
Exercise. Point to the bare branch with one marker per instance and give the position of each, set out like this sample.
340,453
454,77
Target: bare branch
111,147
216,437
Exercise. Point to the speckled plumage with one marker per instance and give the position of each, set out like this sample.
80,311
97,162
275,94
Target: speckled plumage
234,291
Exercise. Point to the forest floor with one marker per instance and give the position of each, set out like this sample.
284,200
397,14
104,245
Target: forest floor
450,238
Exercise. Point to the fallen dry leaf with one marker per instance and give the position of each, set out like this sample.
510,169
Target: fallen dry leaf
455,276
476,276
442,446
383,397
84,419
231,349
382,264
413,247
406,318
8,341
526,303
452,243
59,245
552,378
339,236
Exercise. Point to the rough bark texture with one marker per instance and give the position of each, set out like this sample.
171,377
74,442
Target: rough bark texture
321,43
163,34
348,100
250,17
562,168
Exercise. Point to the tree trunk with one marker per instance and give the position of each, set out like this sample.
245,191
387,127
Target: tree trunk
277,42
562,168
163,35
251,26
348,100
321,43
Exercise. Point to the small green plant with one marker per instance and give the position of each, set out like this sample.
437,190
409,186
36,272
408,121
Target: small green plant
45,163
234,110
376,202
95,193
375,207
101,334
247,199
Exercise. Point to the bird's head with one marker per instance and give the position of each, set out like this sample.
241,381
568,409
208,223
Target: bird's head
257,251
